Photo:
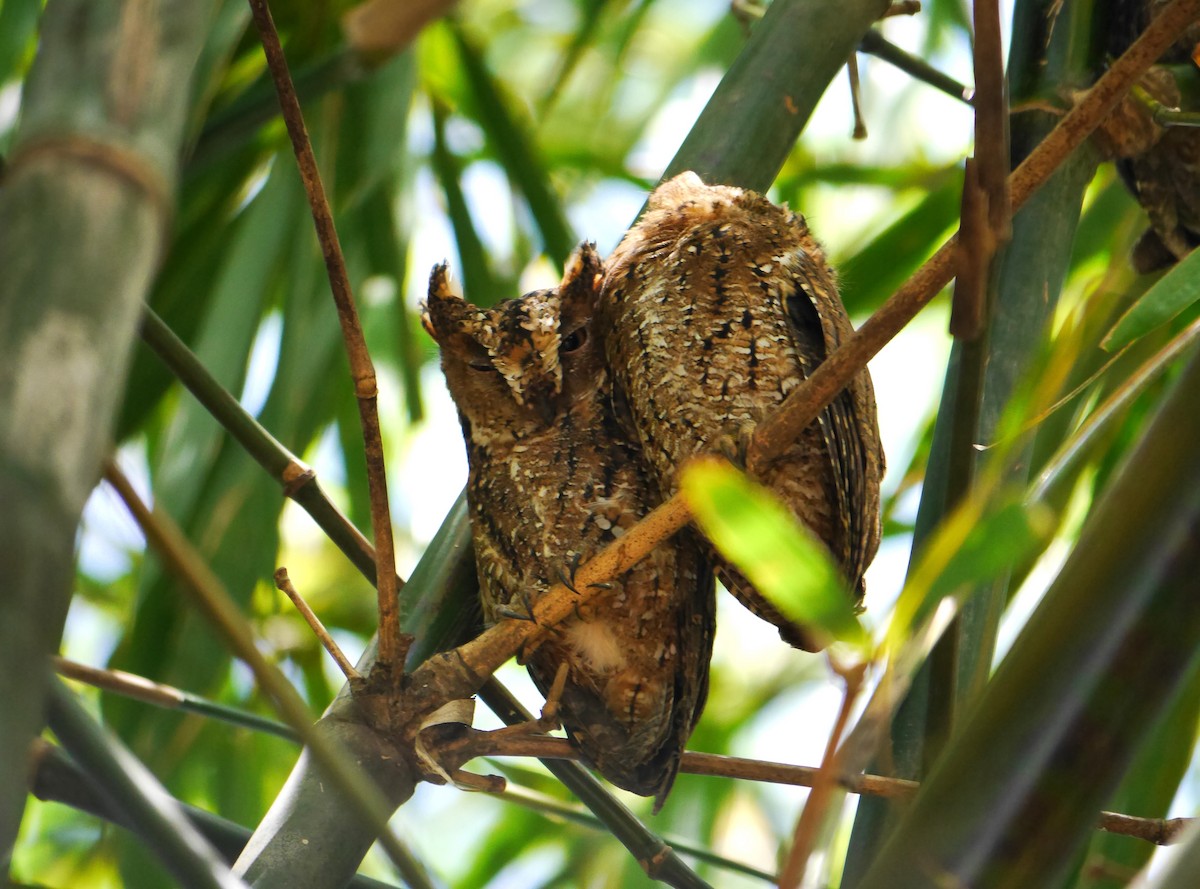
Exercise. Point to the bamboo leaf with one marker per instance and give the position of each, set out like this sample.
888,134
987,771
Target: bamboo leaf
784,561
1014,798
1173,293
515,150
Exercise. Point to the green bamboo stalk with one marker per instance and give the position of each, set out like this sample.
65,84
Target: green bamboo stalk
980,378
1011,801
85,207
754,117
136,793
57,778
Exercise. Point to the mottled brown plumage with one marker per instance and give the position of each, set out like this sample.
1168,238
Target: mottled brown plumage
553,479
1160,164
714,307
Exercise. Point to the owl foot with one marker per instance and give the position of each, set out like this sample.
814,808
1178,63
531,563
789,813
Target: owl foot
736,447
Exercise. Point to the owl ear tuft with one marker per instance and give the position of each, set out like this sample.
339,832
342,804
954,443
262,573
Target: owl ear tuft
443,311
581,279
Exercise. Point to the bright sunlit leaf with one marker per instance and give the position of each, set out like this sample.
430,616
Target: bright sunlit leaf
1173,293
759,535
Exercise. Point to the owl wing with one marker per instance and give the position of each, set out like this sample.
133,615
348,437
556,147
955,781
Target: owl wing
846,424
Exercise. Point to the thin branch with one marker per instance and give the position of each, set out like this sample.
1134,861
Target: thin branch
474,743
366,390
860,125
823,787
139,688
986,219
284,584
298,480
875,44
165,537
545,805
991,119
459,672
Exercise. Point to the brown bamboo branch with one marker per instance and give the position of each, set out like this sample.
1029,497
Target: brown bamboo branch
991,119
129,685
824,785
391,644
474,743
284,584
459,672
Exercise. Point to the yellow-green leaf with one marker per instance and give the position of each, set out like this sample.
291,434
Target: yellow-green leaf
783,560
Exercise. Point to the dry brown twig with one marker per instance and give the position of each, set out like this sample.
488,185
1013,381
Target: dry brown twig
392,643
825,782
284,584
986,219
468,744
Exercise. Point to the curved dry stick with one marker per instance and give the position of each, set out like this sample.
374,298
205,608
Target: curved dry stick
366,390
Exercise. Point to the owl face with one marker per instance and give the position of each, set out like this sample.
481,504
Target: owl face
515,368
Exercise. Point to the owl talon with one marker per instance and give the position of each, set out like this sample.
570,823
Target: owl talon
600,586
510,614
567,579
734,448
566,575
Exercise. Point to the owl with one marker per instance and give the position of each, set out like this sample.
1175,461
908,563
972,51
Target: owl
714,307
553,479
1159,164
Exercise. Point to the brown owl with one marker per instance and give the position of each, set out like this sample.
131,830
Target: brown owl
553,479
1159,164
715,305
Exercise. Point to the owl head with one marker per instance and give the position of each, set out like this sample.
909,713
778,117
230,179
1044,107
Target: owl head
515,368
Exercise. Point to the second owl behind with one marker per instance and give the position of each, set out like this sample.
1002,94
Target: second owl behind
715,305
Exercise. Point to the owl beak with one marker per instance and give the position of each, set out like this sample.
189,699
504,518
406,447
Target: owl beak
543,403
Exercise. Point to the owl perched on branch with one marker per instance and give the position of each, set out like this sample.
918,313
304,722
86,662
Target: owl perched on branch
715,305
553,479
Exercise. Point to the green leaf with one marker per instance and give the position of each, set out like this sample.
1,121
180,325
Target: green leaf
18,24
783,560
1174,292
972,546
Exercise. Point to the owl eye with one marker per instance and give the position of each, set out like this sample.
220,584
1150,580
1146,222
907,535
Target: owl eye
573,341
483,365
